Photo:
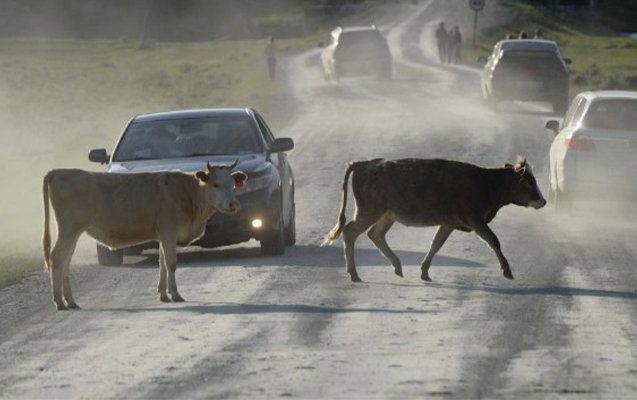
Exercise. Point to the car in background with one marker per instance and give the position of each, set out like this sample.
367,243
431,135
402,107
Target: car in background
526,70
186,140
356,51
594,152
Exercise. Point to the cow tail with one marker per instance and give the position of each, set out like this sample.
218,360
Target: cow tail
338,229
46,237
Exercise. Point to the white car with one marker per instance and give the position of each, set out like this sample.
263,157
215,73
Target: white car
594,152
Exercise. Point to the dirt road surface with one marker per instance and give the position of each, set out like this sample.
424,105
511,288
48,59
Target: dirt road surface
295,326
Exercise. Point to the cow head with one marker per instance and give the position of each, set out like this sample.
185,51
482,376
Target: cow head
525,191
219,182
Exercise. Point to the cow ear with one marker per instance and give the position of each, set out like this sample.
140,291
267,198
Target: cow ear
239,179
202,176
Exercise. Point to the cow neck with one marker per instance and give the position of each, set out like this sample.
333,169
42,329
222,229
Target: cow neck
501,187
202,209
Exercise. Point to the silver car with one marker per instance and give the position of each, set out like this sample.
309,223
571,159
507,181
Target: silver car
594,152
186,140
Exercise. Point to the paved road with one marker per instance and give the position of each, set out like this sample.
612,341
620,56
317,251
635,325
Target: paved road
294,326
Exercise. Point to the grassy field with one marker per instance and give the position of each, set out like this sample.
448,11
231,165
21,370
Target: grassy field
62,97
600,58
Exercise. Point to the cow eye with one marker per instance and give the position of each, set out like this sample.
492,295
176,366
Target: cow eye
215,185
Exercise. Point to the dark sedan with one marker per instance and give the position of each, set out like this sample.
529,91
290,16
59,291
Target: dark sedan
186,140
526,70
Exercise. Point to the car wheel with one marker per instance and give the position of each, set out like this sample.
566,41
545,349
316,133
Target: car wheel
273,244
290,229
108,257
563,201
489,101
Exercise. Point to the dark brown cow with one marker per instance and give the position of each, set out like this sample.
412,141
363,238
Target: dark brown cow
416,192
121,210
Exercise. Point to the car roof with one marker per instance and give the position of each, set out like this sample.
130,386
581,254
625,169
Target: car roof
528,45
609,94
194,113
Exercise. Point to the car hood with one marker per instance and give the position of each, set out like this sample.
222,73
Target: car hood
252,163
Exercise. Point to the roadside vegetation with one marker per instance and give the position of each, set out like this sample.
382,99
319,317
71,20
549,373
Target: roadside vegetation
602,57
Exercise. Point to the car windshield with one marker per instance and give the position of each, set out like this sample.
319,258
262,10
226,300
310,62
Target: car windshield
188,138
613,114
539,63
362,44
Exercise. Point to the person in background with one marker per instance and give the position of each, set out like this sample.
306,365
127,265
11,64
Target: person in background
456,44
270,57
523,35
538,34
442,37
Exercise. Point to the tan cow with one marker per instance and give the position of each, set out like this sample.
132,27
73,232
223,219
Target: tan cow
121,210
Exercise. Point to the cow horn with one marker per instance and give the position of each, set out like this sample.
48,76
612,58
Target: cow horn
234,164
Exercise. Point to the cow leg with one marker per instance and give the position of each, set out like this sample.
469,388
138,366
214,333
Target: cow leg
440,237
60,259
377,235
351,231
169,251
161,287
491,239
66,281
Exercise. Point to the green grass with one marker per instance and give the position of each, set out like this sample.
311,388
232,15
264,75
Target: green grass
600,58
16,267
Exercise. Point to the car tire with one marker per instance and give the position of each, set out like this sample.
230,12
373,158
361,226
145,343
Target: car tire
273,244
290,229
108,257
489,101
563,201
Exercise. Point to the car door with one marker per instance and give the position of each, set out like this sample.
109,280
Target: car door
280,161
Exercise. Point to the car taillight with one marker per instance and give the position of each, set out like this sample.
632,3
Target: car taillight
580,143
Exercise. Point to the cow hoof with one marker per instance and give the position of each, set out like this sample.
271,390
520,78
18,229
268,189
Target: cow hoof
72,305
425,277
355,278
399,272
61,306
177,298
508,274
164,298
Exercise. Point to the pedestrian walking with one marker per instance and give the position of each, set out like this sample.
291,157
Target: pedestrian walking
456,44
270,57
442,37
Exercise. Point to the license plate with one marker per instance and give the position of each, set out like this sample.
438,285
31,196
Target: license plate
530,84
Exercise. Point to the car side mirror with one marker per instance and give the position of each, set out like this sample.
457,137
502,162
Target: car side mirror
282,144
553,125
98,155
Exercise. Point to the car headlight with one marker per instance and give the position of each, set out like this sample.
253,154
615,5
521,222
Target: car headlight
253,184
